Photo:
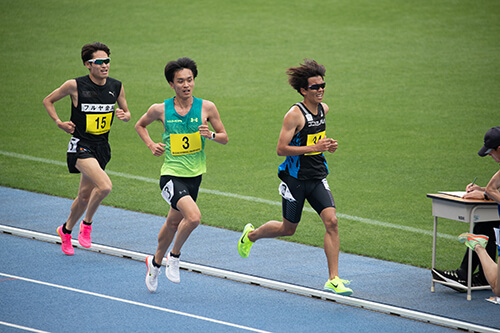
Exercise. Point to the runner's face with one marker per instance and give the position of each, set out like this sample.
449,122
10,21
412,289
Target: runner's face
98,71
314,95
183,83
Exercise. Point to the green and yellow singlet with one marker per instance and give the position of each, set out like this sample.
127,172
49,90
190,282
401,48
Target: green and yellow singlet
184,151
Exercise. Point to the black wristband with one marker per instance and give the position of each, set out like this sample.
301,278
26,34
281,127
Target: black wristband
485,196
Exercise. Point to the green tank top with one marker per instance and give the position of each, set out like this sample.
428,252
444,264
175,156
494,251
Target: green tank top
185,147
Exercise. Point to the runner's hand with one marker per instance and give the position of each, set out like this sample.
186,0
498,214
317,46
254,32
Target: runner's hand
157,148
67,126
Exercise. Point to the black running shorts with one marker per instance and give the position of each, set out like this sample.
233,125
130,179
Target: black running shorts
173,188
78,149
294,192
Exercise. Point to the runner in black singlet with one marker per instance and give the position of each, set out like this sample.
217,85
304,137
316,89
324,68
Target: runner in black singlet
93,99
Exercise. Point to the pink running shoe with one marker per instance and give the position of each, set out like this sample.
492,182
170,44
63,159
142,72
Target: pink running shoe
66,245
84,235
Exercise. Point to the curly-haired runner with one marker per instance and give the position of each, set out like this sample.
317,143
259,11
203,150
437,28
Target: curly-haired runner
303,173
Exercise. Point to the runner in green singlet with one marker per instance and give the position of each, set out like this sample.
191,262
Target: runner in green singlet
185,119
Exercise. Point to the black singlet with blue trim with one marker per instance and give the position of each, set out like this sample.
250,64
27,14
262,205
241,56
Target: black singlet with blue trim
309,166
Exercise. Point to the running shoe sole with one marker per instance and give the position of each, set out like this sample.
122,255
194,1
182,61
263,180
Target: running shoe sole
343,293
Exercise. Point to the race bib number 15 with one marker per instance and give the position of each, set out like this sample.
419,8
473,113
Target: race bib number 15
184,144
99,123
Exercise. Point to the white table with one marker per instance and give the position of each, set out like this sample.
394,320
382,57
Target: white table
462,210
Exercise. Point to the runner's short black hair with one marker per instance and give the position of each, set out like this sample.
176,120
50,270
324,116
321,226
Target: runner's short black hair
179,64
89,49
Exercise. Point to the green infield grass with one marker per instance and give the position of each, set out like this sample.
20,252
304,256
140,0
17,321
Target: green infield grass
412,88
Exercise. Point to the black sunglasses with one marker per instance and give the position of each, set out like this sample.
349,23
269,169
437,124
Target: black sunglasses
100,61
317,86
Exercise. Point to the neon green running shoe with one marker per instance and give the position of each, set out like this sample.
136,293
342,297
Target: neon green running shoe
244,244
471,240
337,286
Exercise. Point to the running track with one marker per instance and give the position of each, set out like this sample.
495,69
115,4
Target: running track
43,289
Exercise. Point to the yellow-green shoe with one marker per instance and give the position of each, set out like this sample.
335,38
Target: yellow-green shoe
244,244
337,286
471,240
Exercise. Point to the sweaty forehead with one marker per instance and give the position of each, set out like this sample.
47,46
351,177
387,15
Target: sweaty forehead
183,74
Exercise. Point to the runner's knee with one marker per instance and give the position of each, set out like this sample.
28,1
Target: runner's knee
331,224
194,219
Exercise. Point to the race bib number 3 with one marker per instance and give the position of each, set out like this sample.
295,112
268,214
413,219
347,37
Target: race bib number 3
99,123
313,139
184,144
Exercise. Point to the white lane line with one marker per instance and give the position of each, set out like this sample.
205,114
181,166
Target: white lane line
29,329
266,283
244,197
122,300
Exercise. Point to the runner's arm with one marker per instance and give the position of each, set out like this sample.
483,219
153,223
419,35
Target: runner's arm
67,88
154,113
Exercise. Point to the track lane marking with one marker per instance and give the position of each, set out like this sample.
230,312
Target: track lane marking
29,329
126,301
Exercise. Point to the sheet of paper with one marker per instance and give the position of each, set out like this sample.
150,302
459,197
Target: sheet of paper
458,194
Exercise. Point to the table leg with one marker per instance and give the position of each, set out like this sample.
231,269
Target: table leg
469,264
434,237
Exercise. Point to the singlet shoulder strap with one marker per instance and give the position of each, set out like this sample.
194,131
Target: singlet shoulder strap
302,107
305,111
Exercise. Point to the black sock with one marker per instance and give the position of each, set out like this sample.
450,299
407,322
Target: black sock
86,223
154,262
175,255
66,231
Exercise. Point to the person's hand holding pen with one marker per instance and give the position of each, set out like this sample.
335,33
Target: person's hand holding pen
473,187
474,191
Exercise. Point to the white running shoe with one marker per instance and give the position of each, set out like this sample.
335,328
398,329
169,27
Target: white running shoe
152,275
172,270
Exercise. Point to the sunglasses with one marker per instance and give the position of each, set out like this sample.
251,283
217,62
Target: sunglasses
100,61
317,86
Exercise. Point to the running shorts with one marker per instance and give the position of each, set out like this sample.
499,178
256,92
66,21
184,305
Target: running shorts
294,192
78,149
174,188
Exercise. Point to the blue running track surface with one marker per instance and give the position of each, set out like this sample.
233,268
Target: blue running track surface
41,289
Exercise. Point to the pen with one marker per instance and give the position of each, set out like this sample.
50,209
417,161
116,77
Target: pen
473,182
469,188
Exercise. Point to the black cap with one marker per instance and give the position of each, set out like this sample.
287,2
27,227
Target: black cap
491,141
